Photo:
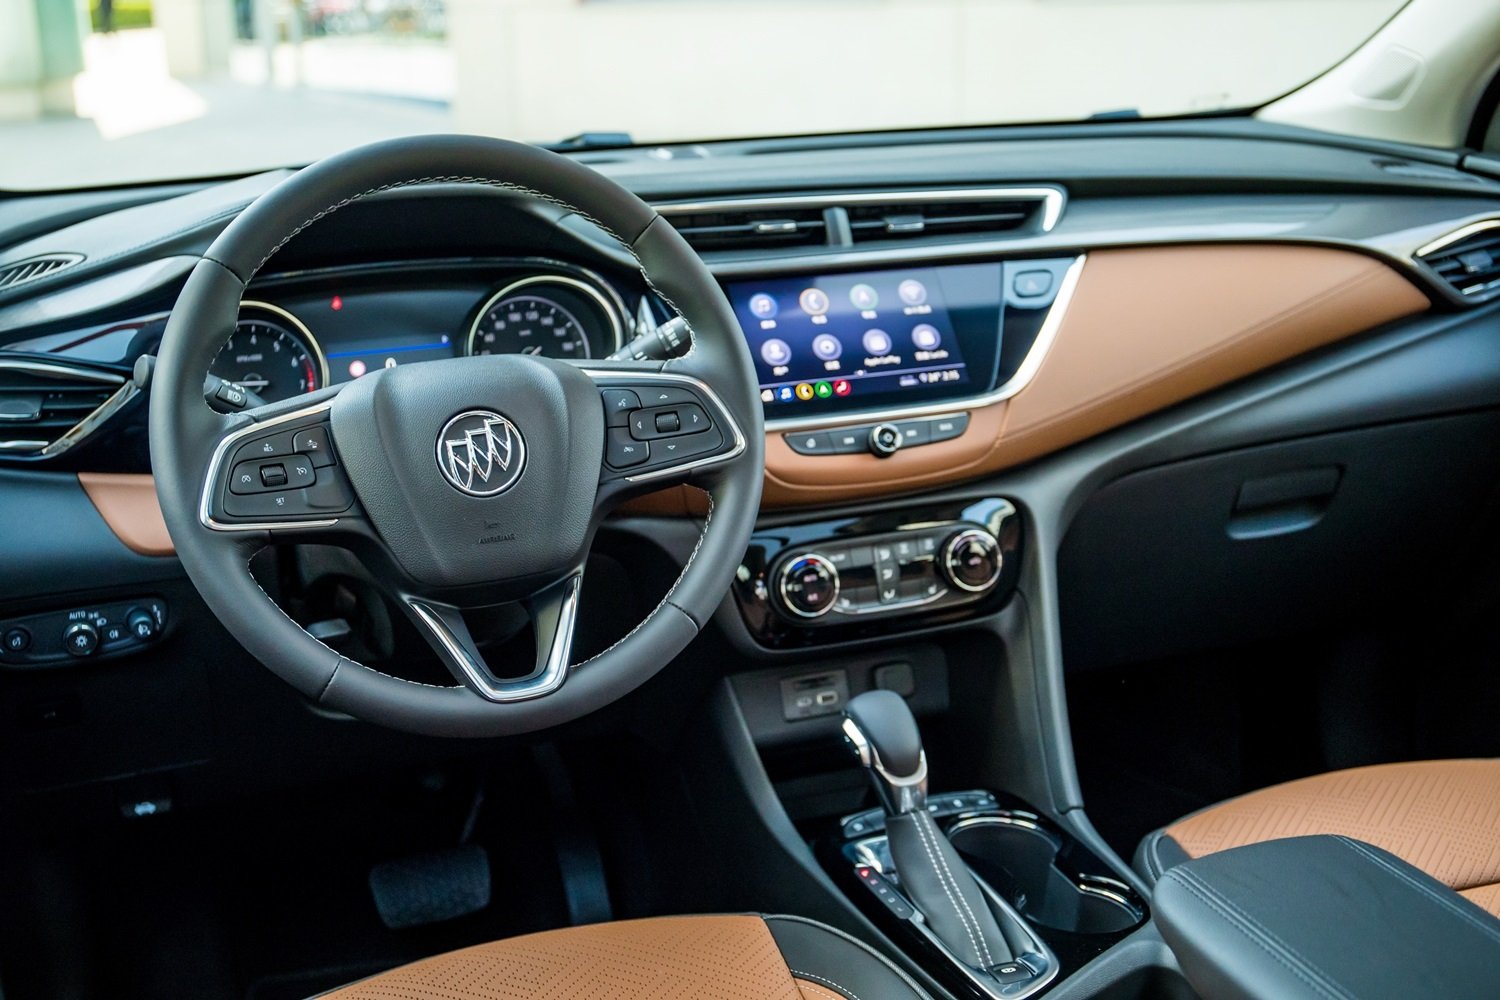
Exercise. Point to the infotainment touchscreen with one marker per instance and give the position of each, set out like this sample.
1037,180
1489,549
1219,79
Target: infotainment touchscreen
837,342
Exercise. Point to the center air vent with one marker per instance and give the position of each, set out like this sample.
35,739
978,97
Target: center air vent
47,407
1468,260
33,268
751,225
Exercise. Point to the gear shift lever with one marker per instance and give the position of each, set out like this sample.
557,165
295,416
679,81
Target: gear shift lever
885,736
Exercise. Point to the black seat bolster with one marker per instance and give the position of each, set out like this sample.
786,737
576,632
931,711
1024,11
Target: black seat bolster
1323,918
837,962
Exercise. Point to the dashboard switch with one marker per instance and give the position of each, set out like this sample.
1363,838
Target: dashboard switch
80,639
809,442
617,406
972,561
313,442
809,586
886,439
17,640
142,624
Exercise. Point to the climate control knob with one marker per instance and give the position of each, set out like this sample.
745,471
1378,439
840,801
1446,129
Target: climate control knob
971,560
808,585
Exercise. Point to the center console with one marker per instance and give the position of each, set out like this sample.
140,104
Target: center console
843,578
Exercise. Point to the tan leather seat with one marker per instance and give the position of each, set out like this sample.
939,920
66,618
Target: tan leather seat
1441,816
681,958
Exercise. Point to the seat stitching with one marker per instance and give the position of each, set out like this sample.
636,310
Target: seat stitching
932,857
828,982
1258,936
1451,905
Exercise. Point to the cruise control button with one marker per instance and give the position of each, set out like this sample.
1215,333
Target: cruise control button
269,446
273,474
276,503
623,451
948,428
686,446
810,443
617,405
313,442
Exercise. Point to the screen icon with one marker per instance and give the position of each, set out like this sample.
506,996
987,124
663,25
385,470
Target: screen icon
864,297
877,342
775,352
814,301
804,391
762,305
768,395
827,347
912,292
823,390
926,337
842,387
786,395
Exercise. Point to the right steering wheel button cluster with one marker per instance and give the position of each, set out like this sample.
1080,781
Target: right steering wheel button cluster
656,427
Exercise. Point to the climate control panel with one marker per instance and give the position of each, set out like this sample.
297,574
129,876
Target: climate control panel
831,579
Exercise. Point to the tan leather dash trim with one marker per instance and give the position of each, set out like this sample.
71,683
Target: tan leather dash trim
128,505
1147,328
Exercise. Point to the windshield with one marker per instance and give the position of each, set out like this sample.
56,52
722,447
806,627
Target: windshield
120,91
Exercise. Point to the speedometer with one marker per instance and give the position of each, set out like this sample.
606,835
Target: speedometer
547,315
272,354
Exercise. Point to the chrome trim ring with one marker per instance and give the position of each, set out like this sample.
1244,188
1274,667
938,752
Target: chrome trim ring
785,574
611,310
299,327
974,534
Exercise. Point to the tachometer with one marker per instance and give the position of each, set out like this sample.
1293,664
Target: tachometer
549,315
272,354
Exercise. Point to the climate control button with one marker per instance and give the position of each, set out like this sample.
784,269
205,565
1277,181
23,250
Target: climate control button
809,586
971,560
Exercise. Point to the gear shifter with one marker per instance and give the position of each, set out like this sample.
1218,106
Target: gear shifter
885,736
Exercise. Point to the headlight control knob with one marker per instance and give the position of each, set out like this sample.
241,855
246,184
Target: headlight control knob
971,560
808,585
80,639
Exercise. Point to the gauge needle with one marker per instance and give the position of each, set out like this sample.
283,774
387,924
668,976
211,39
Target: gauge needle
254,383
532,350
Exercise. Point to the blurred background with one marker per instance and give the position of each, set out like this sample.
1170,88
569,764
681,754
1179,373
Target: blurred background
112,91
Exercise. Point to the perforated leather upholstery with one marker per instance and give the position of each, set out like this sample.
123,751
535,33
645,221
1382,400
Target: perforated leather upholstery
1440,816
666,958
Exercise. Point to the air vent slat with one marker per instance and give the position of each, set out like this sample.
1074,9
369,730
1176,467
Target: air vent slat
1468,260
840,220
33,268
42,401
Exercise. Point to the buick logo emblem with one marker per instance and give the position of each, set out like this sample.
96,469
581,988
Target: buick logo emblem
480,453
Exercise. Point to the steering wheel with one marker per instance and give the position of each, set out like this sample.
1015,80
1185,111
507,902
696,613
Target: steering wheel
461,483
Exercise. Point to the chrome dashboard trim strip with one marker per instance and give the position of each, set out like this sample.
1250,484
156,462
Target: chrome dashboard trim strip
1457,235
42,449
1052,199
48,369
1030,365
626,375
205,502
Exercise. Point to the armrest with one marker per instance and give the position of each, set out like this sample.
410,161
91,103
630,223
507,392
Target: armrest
1324,918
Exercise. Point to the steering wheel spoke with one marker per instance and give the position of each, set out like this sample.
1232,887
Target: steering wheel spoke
278,471
554,617
662,428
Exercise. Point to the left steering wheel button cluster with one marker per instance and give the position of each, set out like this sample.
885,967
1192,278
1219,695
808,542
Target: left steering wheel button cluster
285,474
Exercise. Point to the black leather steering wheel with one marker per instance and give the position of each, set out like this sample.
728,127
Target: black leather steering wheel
460,483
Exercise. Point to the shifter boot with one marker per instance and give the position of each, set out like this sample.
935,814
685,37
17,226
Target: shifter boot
938,881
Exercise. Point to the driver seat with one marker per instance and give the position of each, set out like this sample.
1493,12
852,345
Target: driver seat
744,957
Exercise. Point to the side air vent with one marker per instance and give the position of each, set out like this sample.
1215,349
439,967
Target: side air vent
33,268
898,220
753,229
1468,260
47,407
751,225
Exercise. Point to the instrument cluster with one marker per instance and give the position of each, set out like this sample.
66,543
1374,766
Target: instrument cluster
302,334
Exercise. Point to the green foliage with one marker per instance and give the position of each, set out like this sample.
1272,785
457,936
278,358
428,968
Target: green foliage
128,14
